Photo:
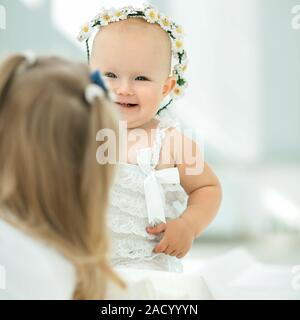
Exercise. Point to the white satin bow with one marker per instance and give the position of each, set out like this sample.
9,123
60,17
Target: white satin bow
154,193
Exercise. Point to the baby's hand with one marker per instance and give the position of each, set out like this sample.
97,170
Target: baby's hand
177,239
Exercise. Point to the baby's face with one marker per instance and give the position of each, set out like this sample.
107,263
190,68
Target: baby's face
135,59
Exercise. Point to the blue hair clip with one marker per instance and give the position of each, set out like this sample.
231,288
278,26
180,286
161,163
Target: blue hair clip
97,79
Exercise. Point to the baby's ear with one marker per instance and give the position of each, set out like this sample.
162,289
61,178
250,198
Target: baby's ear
169,85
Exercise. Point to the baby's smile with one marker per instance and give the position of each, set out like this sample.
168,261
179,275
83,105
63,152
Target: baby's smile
126,105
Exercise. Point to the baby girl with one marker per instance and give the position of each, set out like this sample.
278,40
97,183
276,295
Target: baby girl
133,49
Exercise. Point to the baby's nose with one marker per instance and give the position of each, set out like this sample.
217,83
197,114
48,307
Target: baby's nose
124,88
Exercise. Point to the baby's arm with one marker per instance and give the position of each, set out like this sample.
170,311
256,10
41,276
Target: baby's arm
203,189
204,198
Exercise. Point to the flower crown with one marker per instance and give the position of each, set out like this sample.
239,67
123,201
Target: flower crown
151,15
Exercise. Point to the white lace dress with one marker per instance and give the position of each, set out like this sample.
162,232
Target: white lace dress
143,196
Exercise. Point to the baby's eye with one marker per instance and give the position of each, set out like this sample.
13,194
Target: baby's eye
110,75
141,78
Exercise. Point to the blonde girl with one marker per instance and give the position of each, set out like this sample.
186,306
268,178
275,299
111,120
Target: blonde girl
51,186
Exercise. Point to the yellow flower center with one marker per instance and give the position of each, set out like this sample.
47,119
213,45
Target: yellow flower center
166,22
177,91
106,17
152,15
85,29
118,14
178,44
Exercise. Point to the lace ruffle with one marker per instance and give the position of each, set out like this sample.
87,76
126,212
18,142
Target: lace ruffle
128,201
132,246
133,203
130,177
157,262
141,255
121,223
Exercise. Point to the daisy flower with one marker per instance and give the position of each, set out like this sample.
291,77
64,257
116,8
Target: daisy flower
177,31
177,92
165,23
151,15
117,15
177,45
85,32
105,18
181,68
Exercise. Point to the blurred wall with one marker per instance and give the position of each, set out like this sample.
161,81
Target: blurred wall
32,28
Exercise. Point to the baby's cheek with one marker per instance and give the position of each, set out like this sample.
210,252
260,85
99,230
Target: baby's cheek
151,97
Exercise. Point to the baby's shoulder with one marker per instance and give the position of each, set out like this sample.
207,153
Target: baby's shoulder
180,145
168,150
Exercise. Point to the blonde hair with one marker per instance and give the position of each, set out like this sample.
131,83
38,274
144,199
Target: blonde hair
49,178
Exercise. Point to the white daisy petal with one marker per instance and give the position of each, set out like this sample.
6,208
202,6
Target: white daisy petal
120,15
180,68
151,16
105,18
177,31
127,9
112,14
165,23
85,32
